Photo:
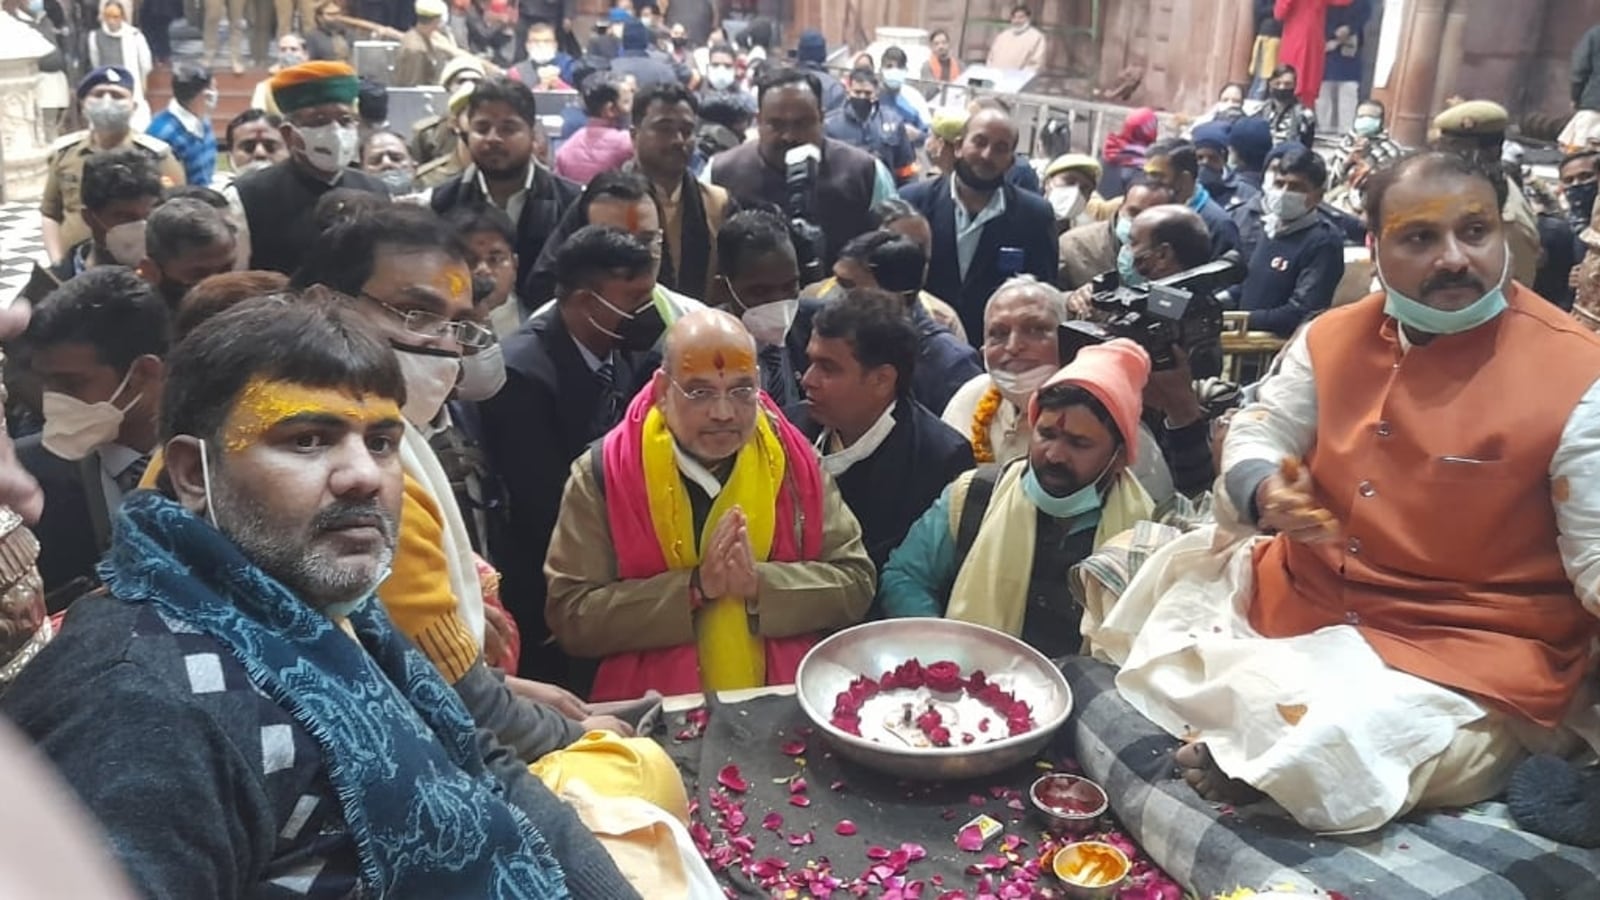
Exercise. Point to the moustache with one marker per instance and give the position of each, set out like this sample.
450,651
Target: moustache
356,515
1056,473
1450,280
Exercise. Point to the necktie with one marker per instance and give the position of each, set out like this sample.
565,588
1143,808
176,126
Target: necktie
773,374
610,407
128,479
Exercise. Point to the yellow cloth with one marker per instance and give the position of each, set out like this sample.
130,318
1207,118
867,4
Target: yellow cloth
616,766
417,594
731,657
992,587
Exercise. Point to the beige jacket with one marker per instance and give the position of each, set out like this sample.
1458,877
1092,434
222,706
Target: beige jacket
1011,50
419,59
592,614
1086,251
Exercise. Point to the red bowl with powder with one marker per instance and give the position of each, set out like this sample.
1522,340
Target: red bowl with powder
1068,804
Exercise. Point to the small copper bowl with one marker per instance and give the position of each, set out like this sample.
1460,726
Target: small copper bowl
1068,804
1091,870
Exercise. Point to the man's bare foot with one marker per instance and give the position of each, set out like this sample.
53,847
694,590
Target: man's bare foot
1208,780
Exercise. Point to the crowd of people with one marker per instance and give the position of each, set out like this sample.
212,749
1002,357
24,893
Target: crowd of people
373,481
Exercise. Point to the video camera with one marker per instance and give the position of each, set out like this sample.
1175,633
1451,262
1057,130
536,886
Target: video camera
799,191
1179,310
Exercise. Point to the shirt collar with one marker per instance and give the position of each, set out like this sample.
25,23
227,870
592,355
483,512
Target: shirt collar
114,458
696,472
994,209
840,461
589,358
527,183
190,122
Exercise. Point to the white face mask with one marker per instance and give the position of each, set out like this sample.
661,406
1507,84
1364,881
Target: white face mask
108,113
330,148
73,428
1019,386
430,376
483,374
1067,202
721,77
769,323
125,243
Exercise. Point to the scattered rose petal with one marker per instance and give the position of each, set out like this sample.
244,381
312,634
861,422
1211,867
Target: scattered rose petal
801,839
845,828
772,821
976,799
1015,803
793,748
948,815
914,852
730,778
800,800
797,786
970,839
836,786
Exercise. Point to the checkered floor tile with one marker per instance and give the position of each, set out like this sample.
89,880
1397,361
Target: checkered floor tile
20,246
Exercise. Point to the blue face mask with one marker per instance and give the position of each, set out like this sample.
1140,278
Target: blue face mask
1124,230
1126,270
1424,318
1081,501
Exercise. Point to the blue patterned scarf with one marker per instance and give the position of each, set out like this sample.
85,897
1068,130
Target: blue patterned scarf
428,818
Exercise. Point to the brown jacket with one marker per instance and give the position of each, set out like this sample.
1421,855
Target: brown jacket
419,60
592,614
1086,251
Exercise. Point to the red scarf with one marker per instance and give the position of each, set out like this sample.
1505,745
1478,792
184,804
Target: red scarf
676,670
1127,146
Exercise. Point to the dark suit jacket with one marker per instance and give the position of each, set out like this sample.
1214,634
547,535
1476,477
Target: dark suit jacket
944,363
1028,223
551,408
892,488
71,533
548,199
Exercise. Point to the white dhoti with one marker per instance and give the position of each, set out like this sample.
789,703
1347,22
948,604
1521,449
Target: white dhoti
1318,722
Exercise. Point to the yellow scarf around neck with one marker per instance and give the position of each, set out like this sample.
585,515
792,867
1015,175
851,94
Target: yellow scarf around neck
731,657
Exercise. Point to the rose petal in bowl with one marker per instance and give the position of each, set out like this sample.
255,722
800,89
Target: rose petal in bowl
845,828
730,778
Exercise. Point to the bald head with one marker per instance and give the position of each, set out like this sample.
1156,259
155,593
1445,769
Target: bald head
1143,196
696,338
987,151
1169,239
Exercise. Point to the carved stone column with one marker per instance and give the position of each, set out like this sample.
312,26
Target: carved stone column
22,132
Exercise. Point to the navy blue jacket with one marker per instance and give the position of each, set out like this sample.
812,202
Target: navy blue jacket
893,487
883,135
1292,277
944,363
1224,232
1028,224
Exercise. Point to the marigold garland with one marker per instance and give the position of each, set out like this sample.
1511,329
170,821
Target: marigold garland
982,418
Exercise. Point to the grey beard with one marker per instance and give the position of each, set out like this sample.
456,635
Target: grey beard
288,557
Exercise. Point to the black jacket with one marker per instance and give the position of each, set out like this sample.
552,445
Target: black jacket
892,488
551,408
548,199
842,201
72,533
1586,70
1028,224
1293,277
944,363
278,205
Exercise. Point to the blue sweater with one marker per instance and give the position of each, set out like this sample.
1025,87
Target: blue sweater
197,152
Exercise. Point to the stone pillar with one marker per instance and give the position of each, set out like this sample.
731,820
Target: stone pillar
23,143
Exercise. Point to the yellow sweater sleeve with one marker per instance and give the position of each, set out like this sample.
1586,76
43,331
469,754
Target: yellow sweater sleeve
417,593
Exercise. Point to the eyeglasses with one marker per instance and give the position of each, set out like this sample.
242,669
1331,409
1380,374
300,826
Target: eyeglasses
1036,334
739,396
426,324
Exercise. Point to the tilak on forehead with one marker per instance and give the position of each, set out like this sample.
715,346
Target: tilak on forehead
1438,208
453,282
265,404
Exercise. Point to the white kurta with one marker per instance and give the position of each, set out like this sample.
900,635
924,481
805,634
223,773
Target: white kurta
1319,722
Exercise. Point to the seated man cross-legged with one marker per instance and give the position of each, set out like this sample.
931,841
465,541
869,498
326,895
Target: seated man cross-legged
1418,612
700,545
996,546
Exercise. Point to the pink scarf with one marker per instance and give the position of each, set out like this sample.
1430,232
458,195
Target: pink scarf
676,670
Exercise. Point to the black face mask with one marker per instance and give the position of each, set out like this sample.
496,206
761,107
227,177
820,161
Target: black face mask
1212,179
1580,201
680,42
861,106
1284,96
641,332
981,185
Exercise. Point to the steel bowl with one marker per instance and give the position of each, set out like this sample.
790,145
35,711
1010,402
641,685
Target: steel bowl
1059,821
877,647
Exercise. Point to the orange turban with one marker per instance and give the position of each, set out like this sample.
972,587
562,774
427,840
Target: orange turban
313,84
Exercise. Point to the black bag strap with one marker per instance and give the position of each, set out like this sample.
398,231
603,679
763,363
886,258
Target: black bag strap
979,492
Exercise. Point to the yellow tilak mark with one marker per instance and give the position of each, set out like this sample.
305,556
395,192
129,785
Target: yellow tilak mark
263,404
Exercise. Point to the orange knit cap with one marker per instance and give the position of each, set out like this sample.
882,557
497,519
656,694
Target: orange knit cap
1113,373
313,84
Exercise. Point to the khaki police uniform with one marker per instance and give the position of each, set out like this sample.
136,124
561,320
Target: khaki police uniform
63,186
432,138
1487,121
436,172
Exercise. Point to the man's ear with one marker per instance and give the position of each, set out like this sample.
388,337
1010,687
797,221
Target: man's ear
184,470
149,375
149,271
658,386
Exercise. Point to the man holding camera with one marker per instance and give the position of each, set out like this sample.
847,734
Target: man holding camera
1296,268
792,161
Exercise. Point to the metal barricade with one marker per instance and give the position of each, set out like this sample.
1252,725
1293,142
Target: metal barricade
1246,354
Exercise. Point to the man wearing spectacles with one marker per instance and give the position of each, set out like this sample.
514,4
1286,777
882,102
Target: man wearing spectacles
700,545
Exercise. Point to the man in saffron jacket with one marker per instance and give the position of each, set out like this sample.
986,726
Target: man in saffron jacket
700,545
1419,612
